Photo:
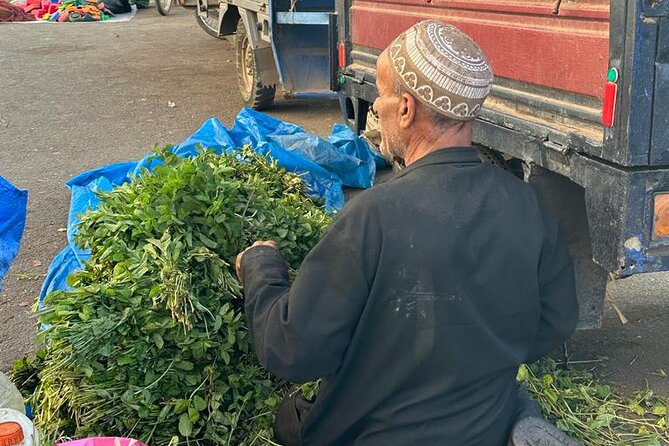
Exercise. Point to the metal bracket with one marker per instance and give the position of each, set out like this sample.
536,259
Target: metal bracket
251,20
555,146
655,8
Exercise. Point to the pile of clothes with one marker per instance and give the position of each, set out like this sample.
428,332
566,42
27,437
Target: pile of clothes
66,10
13,13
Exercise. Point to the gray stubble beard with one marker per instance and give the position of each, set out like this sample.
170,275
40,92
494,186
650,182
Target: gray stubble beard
391,148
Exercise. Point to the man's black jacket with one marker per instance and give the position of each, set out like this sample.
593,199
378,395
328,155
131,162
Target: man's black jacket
417,307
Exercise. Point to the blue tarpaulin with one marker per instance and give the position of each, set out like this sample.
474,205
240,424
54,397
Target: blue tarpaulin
13,205
324,165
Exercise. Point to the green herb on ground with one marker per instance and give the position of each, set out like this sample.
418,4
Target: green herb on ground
591,412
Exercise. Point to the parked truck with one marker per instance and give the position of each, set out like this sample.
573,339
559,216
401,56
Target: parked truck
579,108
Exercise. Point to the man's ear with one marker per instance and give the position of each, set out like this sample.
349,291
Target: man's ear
407,111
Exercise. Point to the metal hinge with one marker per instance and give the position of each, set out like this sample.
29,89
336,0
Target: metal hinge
562,149
359,77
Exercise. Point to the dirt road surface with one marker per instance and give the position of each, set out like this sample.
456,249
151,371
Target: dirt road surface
78,96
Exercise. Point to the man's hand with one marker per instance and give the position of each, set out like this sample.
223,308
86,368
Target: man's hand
238,262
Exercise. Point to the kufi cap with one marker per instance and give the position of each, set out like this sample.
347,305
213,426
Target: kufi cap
443,68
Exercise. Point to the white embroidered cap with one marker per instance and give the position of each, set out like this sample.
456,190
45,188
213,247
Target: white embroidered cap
443,68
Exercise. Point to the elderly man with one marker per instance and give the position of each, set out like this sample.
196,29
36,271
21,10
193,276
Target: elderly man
430,289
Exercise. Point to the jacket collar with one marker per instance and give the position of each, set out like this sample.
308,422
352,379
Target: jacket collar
451,155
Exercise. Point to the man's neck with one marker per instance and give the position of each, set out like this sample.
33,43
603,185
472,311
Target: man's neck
432,139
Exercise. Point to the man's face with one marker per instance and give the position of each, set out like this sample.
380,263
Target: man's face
387,108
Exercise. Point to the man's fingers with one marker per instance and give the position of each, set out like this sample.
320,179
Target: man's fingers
238,261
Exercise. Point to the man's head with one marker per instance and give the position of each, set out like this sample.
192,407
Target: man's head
432,81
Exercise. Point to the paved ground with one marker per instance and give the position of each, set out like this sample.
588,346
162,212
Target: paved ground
75,97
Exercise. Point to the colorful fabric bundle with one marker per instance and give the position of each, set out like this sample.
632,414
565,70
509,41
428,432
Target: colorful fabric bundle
66,10
79,11
37,8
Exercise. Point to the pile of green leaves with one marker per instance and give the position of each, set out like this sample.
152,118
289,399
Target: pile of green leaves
590,412
151,341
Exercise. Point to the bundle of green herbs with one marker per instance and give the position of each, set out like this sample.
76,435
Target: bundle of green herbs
150,342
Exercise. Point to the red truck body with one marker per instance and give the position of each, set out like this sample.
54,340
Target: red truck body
524,40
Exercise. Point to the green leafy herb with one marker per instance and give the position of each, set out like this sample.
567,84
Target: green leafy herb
151,342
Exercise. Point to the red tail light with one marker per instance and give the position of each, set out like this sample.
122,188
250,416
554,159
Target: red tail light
342,55
610,93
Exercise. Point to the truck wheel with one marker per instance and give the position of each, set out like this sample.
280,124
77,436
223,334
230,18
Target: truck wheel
254,94
208,21
164,6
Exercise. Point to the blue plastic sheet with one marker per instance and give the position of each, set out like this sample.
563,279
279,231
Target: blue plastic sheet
345,140
13,205
323,165
343,154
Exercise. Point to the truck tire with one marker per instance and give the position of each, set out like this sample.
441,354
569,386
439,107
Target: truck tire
164,6
254,94
210,23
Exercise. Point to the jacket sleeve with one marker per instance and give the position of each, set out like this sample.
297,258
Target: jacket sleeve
557,293
301,332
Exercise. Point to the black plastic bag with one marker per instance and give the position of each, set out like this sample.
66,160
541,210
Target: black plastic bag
118,6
